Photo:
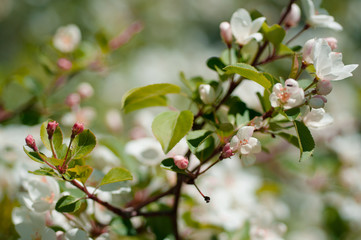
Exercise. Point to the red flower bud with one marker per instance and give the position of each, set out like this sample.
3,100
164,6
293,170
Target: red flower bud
180,161
51,128
64,64
227,151
30,142
72,99
77,128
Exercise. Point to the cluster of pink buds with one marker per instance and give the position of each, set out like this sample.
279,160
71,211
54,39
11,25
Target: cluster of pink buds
64,64
180,161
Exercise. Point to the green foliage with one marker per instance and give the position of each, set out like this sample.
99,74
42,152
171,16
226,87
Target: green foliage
117,174
83,144
249,72
45,171
305,140
148,96
215,63
201,143
34,156
169,164
67,204
80,173
274,34
170,127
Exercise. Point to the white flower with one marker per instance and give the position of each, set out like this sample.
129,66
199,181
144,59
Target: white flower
289,96
76,234
294,16
244,29
317,118
315,19
207,93
246,144
328,64
67,38
42,195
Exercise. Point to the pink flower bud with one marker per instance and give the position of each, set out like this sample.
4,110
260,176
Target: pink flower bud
77,128
72,100
294,16
64,64
332,42
317,101
227,151
180,161
324,87
226,33
30,142
51,128
85,90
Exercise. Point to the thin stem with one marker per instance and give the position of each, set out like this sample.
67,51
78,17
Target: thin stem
42,158
313,83
52,148
154,198
174,216
259,53
205,170
298,34
67,153
288,9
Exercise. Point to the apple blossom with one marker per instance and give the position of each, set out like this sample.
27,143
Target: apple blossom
64,64
332,42
207,93
73,99
244,29
226,33
317,118
289,96
294,16
85,90
67,38
328,64
315,19
245,144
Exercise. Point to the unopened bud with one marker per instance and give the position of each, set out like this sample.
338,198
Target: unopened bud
30,142
226,33
307,51
294,16
180,161
64,64
324,87
51,128
227,151
77,128
72,99
85,90
332,42
317,101
207,94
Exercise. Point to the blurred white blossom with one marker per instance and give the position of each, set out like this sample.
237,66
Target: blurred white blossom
67,38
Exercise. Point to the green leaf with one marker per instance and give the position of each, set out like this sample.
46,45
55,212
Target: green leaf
294,67
201,143
67,204
249,72
273,80
45,172
170,127
54,161
274,34
292,114
215,63
305,140
83,144
81,173
117,174
148,96
34,156
264,100
170,165
284,50
290,138
57,138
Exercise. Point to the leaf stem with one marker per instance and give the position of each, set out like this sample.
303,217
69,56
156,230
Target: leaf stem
52,148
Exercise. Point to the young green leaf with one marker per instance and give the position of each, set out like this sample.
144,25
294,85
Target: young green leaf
83,144
305,140
273,34
45,172
170,165
148,96
81,173
117,174
170,127
67,204
34,156
201,143
249,72
294,67
215,63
